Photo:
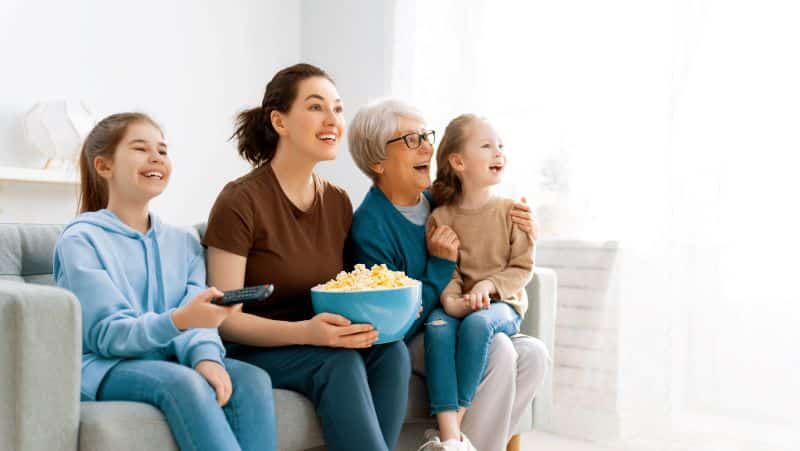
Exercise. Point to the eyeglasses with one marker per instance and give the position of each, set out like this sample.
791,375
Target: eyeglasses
414,139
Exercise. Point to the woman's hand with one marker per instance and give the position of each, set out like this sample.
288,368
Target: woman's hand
443,242
480,296
336,331
218,378
521,216
200,312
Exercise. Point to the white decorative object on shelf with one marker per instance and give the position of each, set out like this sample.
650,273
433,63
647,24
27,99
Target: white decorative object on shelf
57,129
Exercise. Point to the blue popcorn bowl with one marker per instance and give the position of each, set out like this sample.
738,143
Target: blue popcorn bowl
391,311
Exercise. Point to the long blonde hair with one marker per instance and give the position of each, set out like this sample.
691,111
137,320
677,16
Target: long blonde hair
446,189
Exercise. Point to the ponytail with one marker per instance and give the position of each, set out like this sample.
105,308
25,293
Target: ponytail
256,138
94,189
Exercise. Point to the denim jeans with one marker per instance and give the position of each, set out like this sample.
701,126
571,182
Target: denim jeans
189,403
456,352
360,395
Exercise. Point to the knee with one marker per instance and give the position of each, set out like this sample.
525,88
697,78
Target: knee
252,381
188,385
438,316
533,354
502,356
440,324
345,363
475,326
396,356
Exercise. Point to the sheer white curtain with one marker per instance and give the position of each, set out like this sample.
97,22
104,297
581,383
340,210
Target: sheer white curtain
674,128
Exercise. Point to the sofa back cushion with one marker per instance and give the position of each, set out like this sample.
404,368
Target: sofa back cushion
26,252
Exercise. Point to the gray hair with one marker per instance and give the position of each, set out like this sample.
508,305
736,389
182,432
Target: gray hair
372,126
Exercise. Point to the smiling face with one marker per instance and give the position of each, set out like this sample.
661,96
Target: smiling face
140,168
314,124
480,161
404,169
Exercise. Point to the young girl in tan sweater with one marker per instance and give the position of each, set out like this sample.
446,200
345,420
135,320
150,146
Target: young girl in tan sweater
487,292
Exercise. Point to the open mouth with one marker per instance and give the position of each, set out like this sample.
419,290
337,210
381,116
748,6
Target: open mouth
423,168
153,175
329,138
496,168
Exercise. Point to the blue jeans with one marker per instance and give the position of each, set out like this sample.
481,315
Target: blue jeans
360,395
456,352
189,403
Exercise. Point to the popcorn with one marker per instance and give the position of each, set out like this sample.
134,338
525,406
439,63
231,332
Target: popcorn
379,276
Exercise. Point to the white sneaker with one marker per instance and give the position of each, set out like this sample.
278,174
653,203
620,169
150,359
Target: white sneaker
432,441
467,443
430,434
458,445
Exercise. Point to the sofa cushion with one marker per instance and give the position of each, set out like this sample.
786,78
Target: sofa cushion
26,252
418,401
129,426
124,426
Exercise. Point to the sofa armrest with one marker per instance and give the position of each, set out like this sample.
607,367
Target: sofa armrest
40,363
540,322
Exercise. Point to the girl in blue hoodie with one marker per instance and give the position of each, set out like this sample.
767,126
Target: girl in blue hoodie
149,329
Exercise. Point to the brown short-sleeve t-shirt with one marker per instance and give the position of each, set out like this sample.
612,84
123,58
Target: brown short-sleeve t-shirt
290,248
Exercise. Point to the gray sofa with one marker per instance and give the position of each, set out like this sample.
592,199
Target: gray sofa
40,351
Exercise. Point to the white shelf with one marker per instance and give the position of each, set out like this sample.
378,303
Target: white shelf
28,175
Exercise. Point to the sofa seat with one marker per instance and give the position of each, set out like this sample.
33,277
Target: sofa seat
130,426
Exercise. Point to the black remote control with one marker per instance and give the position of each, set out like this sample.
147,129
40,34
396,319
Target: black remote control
245,295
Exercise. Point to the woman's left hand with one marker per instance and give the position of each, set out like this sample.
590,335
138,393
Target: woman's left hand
521,216
218,378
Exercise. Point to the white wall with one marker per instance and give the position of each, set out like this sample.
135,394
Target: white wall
192,68
353,41
192,65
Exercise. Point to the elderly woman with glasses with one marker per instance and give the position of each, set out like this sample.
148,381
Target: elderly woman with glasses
390,144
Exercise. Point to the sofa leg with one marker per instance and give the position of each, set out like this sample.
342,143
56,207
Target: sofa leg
515,444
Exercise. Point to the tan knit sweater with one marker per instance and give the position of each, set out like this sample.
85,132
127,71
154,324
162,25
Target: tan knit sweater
492,248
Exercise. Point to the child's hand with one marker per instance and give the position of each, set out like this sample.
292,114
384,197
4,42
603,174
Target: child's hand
200,312
472,301
521,216
479,297
218,378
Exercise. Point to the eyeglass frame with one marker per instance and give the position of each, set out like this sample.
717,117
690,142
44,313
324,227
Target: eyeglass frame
421,136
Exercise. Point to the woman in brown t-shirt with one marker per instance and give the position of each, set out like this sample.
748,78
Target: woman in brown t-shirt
285,225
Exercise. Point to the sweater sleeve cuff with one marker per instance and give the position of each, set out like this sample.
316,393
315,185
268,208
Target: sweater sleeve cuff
164,328
501,292
205,351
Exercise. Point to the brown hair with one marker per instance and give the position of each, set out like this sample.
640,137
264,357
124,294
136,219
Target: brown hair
256,138
102,141
447,186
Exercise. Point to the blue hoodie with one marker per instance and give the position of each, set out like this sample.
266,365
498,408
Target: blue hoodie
128,284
